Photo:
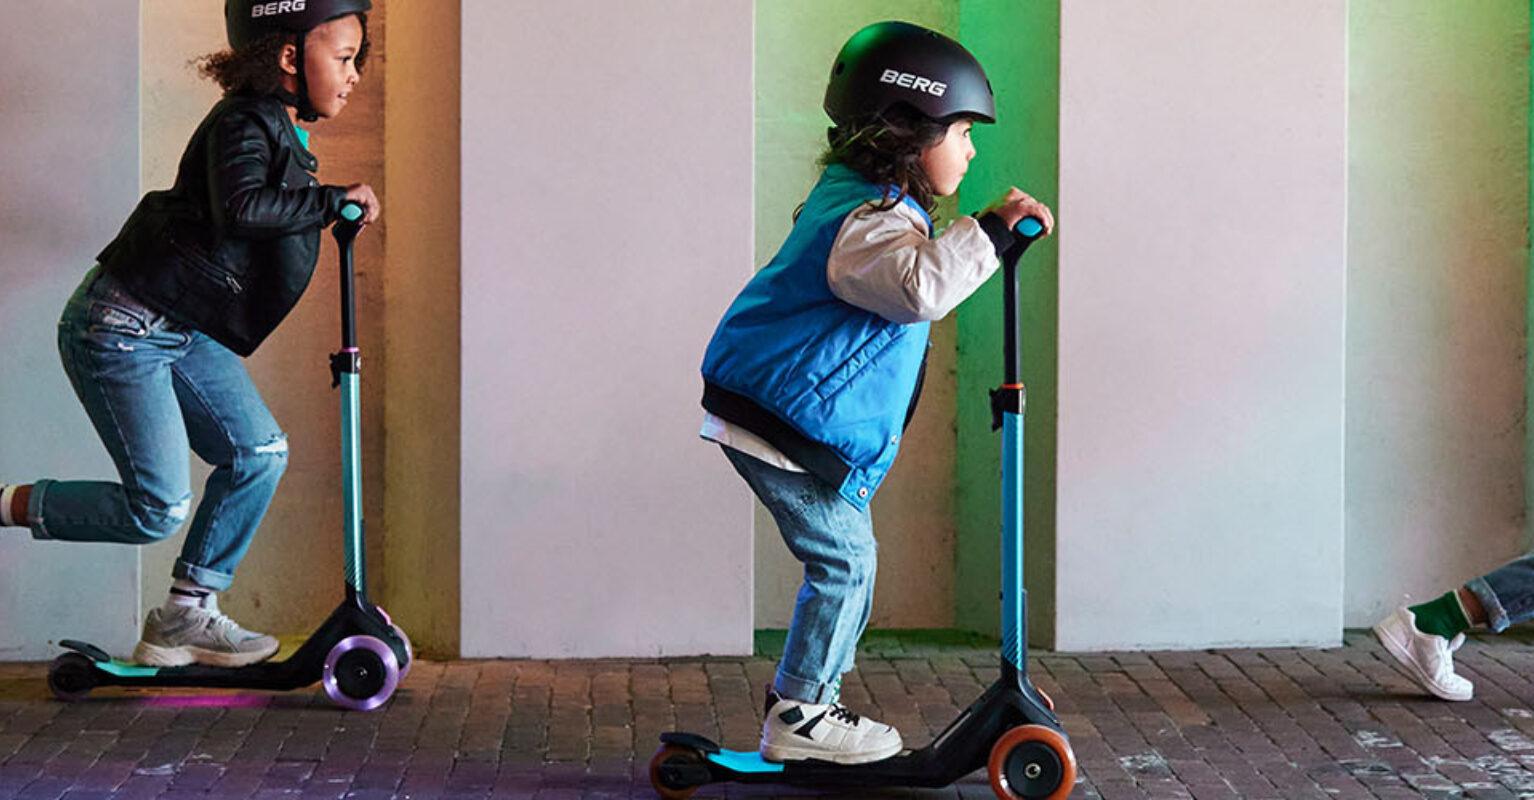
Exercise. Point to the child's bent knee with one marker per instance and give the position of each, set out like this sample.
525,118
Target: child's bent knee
269,457
162,520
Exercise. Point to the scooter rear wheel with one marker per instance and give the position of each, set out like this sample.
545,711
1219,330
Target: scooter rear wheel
361,673
673,755
1032,762
71,677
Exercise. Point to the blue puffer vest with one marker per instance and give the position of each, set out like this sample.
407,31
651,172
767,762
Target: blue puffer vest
828,384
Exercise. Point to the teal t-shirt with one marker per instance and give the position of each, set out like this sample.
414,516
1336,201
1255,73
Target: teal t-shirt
303,136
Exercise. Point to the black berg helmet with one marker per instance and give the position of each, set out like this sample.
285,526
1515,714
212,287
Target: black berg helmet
888,63
248,20
245,21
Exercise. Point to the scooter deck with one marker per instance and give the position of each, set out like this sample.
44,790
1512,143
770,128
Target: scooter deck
908,768
959,750
303,668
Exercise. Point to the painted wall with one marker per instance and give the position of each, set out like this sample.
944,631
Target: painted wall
1019,44
796,42
1437,272
65,187
421,356
292,575
1202,301
606,223
1221,380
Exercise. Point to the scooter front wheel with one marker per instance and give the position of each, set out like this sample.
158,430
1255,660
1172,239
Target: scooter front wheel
670,759
409,650
404,637
361,673
1032,762
71,677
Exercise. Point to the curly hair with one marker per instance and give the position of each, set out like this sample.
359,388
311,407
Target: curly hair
254,69
886,149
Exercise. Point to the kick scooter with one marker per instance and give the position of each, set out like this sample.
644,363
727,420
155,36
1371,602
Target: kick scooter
1011,730
358,653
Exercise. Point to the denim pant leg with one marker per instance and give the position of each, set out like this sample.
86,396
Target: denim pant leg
835,542
231,429
1507,593
118,357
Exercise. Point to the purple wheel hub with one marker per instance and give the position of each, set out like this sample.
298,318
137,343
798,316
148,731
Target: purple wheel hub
361,673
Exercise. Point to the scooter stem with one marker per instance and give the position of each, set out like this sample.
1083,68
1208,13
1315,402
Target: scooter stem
1007,407
346,369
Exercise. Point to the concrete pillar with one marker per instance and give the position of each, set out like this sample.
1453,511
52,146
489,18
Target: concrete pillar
1438,178
293,573
422,364
606,224
1203,277
69,76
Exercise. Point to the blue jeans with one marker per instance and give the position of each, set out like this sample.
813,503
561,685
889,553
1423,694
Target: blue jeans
1507,593
156,392
835,542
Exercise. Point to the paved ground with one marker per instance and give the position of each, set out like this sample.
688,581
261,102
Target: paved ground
1222,724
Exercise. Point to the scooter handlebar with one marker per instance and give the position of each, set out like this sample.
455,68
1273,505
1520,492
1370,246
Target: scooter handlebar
1031,229
348,222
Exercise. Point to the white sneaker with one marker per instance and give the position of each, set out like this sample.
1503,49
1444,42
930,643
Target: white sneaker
796,731
1428,658
185,635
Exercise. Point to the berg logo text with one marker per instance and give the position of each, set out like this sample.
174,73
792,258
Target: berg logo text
916,82
282,7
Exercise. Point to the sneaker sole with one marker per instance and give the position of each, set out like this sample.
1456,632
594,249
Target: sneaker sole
151,655
779,754
1402,656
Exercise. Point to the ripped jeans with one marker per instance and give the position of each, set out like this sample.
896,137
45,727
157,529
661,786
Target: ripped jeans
155,392
835,542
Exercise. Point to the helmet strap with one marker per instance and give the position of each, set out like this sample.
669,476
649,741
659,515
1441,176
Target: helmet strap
300,99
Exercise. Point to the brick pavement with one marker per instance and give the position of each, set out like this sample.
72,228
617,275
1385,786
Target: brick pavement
1211,724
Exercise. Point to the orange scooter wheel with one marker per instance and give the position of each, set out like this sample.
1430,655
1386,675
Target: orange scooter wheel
672,754
1032,762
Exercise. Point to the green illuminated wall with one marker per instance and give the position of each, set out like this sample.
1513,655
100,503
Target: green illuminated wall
914,512
938,516
1019,44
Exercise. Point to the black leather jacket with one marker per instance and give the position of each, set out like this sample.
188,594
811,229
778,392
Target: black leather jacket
230,248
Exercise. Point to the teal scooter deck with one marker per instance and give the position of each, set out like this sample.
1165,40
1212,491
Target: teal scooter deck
107,664
744,761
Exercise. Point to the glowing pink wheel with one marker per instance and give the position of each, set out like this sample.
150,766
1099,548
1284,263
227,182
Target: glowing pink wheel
404,637
361,673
